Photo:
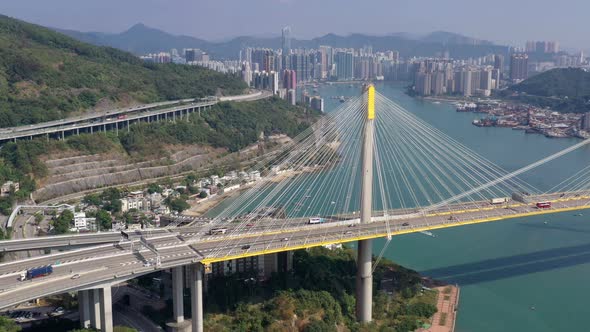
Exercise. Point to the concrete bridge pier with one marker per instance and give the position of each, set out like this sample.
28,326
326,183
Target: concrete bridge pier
178,324
106,309
94,299
95,307
196,285
364,281
84,303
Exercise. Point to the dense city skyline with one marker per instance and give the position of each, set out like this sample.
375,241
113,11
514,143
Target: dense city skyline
520,23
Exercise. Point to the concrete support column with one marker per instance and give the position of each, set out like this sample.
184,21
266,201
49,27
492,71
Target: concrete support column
106,309
94,301
84,302
197,297
364,281
177,290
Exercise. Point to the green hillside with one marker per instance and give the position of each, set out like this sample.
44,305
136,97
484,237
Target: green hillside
564,89
45,75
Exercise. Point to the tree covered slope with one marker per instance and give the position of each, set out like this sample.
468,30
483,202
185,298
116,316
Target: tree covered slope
45,75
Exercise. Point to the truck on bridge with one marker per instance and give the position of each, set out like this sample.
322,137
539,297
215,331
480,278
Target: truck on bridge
499,200
316,220
36,272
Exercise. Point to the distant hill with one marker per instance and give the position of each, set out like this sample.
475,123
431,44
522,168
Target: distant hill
563,89
45,75
141,39
450,38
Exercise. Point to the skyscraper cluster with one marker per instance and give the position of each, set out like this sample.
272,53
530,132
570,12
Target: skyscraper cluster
550,47
436,76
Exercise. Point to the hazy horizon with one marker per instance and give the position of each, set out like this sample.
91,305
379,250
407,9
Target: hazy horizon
504,21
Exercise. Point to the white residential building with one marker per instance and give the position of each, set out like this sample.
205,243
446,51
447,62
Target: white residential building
6,187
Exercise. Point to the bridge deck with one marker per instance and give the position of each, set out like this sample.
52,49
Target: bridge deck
114,262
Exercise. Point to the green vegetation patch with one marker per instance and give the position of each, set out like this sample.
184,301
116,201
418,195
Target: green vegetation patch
562,89
45,75
317,296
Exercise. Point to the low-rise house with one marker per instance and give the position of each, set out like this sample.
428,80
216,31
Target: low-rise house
7,187
140,204
81,222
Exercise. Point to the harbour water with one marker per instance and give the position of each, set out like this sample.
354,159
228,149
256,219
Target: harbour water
525,274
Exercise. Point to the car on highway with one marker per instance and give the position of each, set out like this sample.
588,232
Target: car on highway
147,264
58,311
348,232
405,224
285,239
76,276
246,247
250,225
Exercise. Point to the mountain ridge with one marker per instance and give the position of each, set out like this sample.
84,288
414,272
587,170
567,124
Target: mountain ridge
142,39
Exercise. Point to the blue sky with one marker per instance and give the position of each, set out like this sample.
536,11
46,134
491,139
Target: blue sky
506,21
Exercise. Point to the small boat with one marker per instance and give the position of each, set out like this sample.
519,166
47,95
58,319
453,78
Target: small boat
333,202
545,223
428,233
533,308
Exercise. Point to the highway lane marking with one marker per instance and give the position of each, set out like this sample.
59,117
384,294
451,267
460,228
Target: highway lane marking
398,232
93,248
151,259
36,282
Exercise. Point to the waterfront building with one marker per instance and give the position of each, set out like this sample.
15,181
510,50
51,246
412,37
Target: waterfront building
423,84
438,83
465,83
301,65
519,66
344,66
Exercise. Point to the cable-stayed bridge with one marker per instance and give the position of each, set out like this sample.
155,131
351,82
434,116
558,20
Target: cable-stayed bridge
368,170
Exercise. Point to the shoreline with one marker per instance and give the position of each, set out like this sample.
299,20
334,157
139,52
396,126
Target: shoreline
447,304
485,122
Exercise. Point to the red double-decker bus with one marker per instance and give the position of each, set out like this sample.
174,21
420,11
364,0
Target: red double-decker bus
543,205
